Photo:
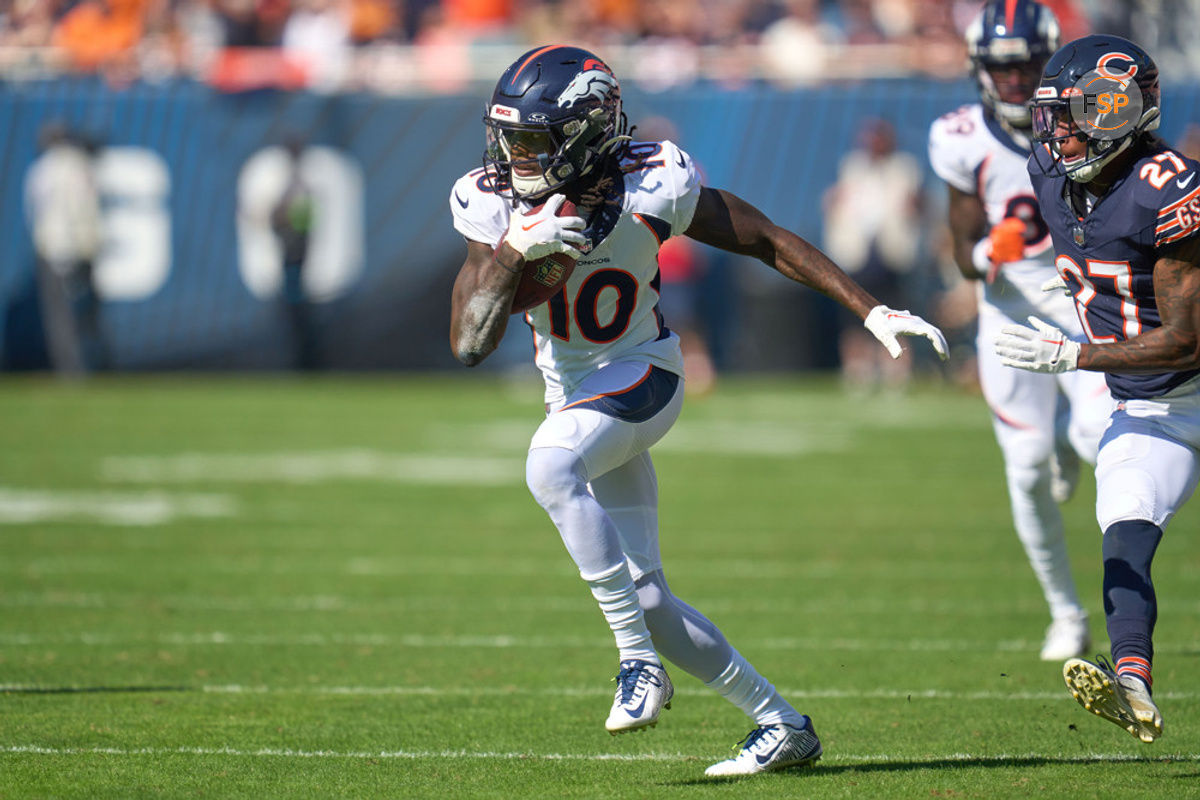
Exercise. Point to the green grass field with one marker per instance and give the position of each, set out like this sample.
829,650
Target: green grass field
223,587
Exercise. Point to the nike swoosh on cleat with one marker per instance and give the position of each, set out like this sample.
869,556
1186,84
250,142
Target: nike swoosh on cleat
461,202
767,758
1182,184
637,712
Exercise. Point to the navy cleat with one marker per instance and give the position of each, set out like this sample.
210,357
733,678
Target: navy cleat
643,690
770,748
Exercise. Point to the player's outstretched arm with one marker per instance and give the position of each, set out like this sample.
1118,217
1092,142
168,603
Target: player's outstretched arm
726,221
1175,345
479,305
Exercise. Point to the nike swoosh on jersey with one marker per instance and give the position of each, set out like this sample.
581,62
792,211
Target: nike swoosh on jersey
681,162
1182,184
461,202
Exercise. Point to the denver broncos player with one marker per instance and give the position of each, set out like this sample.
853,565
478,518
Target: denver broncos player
1044,424
612,368
1123,209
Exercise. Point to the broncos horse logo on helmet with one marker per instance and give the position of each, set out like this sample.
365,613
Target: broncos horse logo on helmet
1008,35
1102,90
555,117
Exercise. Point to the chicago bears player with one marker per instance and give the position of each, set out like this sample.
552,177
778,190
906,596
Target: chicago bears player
612,368
1044,424
1123,209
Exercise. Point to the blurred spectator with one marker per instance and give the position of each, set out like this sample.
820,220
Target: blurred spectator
317,36
62,206
292,224
795,47
99,33
872,230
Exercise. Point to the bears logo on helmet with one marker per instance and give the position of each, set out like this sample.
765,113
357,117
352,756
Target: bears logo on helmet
1099,89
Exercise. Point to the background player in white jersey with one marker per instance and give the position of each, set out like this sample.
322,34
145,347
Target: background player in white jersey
1043,423
612,367
1123,208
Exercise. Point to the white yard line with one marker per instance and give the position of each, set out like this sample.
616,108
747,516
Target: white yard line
483,642
22,506
315,467
595,691
838,758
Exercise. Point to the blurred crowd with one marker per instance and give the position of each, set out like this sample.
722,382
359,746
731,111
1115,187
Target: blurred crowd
446,45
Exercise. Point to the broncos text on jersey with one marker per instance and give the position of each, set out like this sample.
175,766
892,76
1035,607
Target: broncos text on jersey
608,309
1107,256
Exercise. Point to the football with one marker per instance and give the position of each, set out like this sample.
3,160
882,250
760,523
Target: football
543,277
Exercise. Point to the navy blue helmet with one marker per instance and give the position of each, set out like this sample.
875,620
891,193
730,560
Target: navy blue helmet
554,118
1102,90
1010,35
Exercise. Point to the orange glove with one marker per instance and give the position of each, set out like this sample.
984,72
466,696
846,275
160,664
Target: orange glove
1008,244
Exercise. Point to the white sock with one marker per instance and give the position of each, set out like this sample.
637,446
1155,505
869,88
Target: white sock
618,600
741,685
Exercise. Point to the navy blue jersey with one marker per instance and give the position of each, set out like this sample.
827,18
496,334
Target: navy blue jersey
1107,256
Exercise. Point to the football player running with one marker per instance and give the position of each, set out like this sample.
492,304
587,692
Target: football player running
612,368
1123,209
1044,424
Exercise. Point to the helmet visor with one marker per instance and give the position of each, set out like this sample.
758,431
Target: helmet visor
1053,122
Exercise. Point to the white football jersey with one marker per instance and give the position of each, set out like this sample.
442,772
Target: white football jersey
608,310
972,153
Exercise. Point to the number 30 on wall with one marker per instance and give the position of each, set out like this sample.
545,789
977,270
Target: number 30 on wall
136,259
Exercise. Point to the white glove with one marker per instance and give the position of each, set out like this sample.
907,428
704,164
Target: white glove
1042,348
537,234
885,324
1056,284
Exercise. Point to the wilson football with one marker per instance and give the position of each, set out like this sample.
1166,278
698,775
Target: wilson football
543,277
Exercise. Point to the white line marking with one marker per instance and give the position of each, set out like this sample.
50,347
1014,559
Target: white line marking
315,467
838,758
19,506
222,638
601,691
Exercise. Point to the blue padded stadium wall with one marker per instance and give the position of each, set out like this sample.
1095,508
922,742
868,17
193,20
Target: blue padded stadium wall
779,149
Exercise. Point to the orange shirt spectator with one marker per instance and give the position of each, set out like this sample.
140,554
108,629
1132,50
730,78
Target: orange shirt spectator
478,13
96,32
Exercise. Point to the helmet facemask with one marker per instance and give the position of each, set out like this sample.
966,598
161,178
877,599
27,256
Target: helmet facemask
1056,123
1012,111
535,159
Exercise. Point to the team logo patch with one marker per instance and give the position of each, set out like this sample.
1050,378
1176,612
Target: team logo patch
589,83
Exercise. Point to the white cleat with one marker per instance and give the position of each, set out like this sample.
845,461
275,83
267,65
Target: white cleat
1067,638
1121,699
770,748
1064,474
643,690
